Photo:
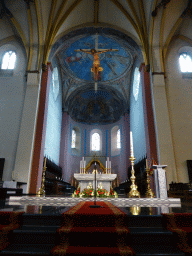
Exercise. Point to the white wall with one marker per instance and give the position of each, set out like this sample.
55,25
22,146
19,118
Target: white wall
179,95
12,93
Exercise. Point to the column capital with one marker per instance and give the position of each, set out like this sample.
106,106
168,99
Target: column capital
33,77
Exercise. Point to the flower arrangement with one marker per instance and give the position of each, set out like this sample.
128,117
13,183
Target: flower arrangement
101,192
112,193
89,192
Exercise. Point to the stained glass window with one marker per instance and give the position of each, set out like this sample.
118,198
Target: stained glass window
73,141
185,61
136,83
8,61
95,142
118,139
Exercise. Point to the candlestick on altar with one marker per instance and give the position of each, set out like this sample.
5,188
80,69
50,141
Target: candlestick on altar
45,160
131,144
149,192
41,191
106,167
84,166
81,166
133,192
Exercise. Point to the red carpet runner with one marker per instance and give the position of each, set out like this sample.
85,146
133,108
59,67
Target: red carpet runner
96,231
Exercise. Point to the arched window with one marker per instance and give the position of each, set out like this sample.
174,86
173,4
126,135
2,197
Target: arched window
55,81
136,83
95,142
115,140
185,61
73,139
8,61
118,139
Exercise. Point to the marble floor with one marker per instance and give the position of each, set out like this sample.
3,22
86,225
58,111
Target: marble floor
131,206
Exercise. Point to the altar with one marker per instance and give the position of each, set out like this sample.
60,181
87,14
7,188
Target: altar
104,180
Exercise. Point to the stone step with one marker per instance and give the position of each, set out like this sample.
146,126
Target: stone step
34,237
26,249
150,236
156,250
144,221
42,219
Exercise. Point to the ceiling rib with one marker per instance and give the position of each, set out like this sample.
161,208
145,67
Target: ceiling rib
40,32
30,36
176,25
136,27
96,12
151,38
56,29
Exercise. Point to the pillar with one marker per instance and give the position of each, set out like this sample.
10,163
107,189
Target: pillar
163,126
39,141
149,120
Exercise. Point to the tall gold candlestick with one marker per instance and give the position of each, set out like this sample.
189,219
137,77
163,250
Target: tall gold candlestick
41,191
149,192
133,192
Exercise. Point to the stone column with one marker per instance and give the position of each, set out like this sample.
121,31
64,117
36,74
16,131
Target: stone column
39,142
163,126
149,117
160,181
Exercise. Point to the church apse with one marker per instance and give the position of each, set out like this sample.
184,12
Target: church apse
88,107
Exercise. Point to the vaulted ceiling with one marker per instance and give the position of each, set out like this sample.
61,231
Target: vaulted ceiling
138,28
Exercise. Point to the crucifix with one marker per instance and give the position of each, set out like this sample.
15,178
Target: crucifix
96,63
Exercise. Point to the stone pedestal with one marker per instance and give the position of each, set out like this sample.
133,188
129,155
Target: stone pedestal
160,181
85,179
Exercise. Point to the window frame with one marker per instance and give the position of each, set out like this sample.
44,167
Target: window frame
119,139
75,133
136,88
2,57
99,138
187,50
99,152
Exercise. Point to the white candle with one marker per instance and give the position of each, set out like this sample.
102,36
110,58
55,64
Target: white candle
131,144
106,166
80,166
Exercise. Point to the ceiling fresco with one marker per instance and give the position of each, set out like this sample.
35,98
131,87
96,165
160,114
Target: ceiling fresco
103,107
114,64
79,97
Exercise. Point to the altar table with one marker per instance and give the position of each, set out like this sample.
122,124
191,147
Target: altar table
85,179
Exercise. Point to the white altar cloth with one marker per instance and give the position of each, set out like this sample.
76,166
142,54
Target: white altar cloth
85,179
